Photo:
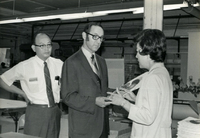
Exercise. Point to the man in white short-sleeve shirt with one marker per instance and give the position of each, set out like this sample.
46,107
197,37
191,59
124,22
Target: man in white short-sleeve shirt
42,119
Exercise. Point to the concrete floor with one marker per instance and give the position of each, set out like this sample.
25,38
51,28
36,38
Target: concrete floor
7,124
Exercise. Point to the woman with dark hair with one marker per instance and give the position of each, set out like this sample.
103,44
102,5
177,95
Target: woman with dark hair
151,113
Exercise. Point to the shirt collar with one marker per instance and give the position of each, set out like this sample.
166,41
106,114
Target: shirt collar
41,62
87,53
156,65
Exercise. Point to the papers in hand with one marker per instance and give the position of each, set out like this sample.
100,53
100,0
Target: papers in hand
134,83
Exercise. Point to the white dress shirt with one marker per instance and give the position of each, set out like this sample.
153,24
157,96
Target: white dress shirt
30,73
88,55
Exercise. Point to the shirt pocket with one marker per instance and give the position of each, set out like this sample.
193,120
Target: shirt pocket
33,85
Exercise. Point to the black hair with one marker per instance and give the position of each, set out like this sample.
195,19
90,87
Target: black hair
88,27
153,43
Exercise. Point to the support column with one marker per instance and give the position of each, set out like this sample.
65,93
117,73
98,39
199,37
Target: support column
153,14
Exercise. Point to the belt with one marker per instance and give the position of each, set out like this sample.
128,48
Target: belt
43,105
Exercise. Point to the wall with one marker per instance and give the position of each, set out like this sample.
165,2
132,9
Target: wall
14,45
194,56
176,59
193,66
176,63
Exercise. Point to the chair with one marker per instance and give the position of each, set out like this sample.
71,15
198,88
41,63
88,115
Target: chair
21,123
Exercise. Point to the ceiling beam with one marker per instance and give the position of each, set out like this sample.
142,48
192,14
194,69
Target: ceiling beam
9,12
107,20
124,5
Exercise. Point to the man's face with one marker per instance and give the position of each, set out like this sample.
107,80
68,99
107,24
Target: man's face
89,43
45,51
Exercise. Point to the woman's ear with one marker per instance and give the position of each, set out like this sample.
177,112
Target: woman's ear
148,57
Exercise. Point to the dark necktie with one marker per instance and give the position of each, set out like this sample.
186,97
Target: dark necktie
48,85
96,70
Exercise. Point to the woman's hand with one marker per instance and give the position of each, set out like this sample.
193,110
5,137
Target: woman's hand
116,97
129,95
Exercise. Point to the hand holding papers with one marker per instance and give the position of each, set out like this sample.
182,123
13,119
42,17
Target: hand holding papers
134,83
116,97
125,91
131,86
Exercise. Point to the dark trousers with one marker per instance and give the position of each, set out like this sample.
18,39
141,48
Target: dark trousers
42,121
105,132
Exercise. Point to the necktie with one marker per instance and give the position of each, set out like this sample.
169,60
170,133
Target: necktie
48,85
95,69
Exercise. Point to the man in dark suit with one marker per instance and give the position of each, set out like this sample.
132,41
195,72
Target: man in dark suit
84,87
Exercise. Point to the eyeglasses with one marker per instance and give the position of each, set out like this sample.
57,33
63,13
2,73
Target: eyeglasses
140,51
96,37
43,46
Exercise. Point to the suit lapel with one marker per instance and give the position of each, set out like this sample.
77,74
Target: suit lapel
84,62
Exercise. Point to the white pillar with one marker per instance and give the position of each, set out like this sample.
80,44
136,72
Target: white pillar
153,14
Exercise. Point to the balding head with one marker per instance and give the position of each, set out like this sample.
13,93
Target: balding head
42,46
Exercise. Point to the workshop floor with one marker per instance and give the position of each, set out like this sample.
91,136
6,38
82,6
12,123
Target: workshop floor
7,124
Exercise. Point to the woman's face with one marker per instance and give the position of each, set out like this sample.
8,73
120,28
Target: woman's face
142,59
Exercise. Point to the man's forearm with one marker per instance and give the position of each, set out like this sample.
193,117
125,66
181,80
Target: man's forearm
12,88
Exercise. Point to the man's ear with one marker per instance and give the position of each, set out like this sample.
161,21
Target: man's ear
84,35
33,47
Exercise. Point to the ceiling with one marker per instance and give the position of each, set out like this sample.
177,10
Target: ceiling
118,27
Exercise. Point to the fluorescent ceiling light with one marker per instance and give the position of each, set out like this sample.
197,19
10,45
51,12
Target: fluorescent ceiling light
91,14
138,10
175,6
11,21
80,15
39,18
115,11
166,7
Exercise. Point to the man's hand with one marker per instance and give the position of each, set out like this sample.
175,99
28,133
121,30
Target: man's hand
26,98
102,101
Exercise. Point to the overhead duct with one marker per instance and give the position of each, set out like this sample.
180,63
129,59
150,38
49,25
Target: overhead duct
192,10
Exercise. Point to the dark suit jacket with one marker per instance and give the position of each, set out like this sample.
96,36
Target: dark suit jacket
79,89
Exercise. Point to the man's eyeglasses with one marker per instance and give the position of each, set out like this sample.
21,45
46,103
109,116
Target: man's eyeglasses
43,46
96,37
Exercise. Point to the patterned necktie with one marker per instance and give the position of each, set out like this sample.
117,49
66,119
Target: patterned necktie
48,85
95,69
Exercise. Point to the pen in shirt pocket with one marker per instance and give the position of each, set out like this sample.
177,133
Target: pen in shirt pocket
58,79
